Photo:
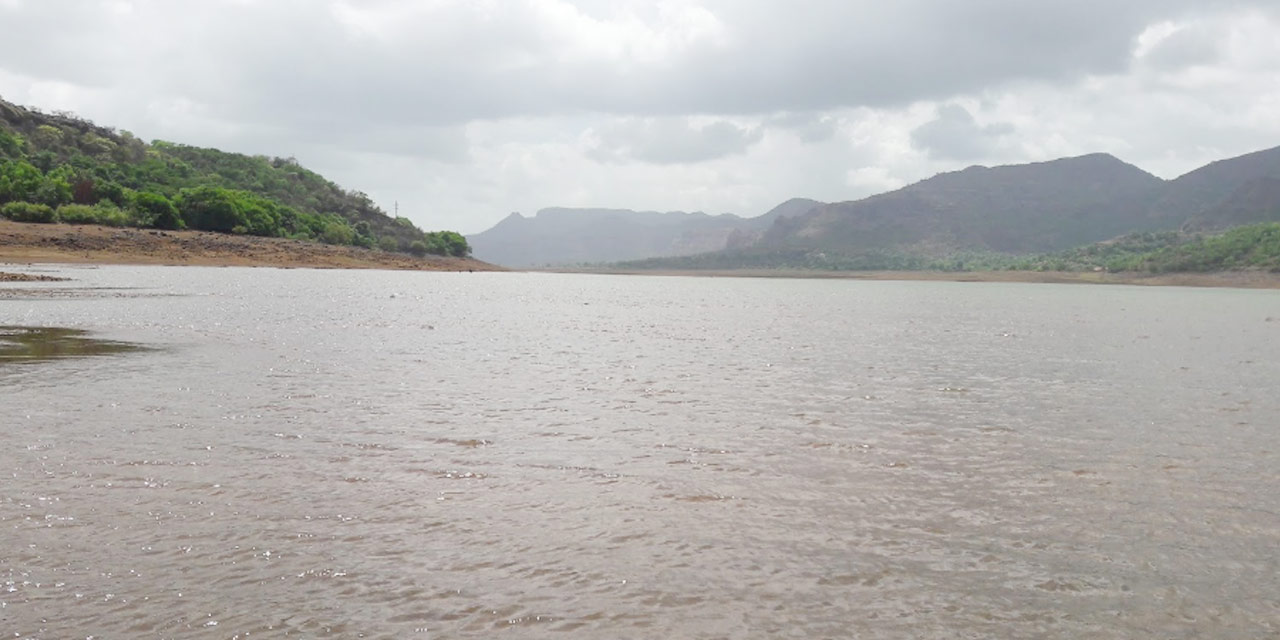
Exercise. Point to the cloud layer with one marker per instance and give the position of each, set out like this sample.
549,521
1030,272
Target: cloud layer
464,110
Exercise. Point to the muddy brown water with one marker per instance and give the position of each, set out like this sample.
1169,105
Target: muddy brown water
341,454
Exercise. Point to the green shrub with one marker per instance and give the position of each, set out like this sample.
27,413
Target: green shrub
337,233
27,212
103,213
76,214
155,210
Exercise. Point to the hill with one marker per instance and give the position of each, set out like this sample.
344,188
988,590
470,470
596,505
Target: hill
1254,201
565,236
1031,214
71,170
1203,196
1013,209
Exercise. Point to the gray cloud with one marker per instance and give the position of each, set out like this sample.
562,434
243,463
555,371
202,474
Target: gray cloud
955,135
448,62
1186,47
467,110
809,127
669,140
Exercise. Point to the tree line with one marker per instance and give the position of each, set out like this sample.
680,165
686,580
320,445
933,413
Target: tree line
60,169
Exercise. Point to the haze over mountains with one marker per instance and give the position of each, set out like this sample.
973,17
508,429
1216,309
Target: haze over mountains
1016,209
563,236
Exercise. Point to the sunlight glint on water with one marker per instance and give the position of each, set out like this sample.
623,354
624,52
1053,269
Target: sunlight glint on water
303,453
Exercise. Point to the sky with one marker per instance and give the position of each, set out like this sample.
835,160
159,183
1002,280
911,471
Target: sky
456,113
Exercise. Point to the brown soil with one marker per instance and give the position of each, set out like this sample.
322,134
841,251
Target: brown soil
28,243
1238,279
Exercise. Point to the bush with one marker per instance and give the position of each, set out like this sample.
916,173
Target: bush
211,209
337,233
103,213
155,210
27,212
76,214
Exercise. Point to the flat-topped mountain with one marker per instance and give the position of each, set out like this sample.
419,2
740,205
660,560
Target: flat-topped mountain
565,236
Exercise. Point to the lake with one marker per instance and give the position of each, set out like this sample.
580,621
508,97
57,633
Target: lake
294,453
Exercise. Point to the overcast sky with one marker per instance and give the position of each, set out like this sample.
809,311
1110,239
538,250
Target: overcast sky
463,111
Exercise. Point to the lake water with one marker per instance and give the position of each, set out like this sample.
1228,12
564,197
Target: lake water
348,454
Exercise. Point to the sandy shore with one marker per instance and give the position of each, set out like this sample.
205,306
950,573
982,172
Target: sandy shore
53,243
1237,279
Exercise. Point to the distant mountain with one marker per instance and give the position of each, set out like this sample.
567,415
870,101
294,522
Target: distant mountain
563,236
1045,206
1202,196
1027,209
958,218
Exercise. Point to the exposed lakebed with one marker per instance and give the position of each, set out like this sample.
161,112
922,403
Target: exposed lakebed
26,344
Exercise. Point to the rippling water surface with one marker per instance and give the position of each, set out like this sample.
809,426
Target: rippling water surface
332,453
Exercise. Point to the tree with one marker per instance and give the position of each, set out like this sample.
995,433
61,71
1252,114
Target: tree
337,233
12,144
211,209
155,210
55,188
455,244
19,180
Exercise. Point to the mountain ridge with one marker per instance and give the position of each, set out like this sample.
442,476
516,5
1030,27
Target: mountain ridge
557,236
955,217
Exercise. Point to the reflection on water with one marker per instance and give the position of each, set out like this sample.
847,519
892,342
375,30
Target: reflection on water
32,344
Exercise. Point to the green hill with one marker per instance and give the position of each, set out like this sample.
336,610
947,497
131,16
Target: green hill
1247,247
58,167
1085,213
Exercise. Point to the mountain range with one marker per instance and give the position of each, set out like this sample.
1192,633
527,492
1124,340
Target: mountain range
1015,209
565,236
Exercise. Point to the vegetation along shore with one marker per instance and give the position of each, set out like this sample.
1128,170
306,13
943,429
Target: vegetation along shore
73,191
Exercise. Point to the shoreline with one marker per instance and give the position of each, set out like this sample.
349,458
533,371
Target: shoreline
1222,279
28,243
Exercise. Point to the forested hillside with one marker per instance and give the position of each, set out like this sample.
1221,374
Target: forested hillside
61,168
